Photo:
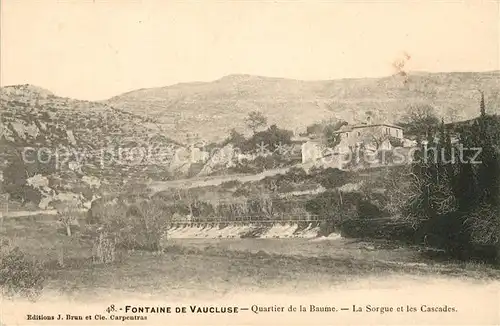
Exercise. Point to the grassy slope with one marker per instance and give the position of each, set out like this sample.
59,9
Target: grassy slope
212,109
191,267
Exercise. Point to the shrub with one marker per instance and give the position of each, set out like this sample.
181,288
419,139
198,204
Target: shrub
446,232
367,209
332,178
484,222
242,192
141,225
270,137
68,213
390,190
153,223
230,184
273,161
104,247
337,206
203,209
296,174
20,275
327,205
287,182
235,138
103,210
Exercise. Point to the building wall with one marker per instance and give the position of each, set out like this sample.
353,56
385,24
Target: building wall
311,151
365,134
368,135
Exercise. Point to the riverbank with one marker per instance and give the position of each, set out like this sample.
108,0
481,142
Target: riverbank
185,268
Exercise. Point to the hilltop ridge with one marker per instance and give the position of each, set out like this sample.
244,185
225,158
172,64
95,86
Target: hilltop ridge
212,109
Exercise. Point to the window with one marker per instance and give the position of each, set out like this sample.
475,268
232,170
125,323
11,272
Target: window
387,130
347,134
359,134
397,133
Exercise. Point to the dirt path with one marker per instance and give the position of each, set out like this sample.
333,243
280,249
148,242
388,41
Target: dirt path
157,186
15,214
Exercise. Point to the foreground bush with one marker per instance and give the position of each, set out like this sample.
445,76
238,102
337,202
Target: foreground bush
144,228
484,222
331,178
337,207
142,225
454,193
20,275
103,209
103,251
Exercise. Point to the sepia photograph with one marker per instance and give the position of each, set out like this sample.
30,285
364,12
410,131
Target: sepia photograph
249,162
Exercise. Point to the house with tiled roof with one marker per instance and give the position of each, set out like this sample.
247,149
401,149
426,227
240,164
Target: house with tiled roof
376,135
371,137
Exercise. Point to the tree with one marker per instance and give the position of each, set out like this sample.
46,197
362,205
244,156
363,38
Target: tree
432,182
272,137
326,130
68,213
15,175
236,139
255,120
315,129
482,107
484,134
332,138
459,203
482,181
419,120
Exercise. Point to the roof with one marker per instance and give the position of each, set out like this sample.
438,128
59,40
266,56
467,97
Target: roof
300,139
350,128
344,128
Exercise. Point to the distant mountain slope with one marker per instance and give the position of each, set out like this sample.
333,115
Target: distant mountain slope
213,108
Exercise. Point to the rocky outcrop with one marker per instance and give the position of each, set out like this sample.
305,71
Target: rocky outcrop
68,148
222,158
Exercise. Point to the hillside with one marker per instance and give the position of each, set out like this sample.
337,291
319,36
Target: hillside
85,134
71,147
211,109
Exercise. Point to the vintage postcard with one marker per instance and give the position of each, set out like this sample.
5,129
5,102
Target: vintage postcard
249,162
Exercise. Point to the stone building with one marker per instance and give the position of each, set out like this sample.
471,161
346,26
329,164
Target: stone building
372,136
312,150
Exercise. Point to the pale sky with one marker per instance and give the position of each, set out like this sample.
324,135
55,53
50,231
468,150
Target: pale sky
93,51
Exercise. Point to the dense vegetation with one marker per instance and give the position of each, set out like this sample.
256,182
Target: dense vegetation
455,188
19,274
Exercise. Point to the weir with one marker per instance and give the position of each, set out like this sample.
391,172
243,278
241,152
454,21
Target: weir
243,222
270,229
